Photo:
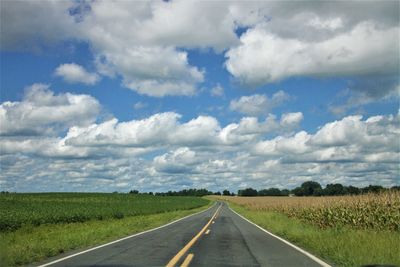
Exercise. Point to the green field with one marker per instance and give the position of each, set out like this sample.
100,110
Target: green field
17,210
37,226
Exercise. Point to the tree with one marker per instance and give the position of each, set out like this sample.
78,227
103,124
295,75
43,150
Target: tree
226,192
352,190
298,191
248,192
135,192
373,189
311,188
334,190
285,192
270,192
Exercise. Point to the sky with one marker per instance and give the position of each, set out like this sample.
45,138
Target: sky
103,96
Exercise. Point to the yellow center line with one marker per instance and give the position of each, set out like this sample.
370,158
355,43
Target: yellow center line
187,261
182,252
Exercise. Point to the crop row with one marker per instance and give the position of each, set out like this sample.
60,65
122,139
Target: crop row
17,210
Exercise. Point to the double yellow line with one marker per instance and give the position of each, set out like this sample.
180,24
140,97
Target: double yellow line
185,249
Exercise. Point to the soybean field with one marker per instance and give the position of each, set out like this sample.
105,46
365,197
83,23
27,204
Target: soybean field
34,209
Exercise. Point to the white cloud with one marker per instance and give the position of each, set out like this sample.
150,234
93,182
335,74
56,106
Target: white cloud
30,25
74,73
139,105
151,131
326,24
348,140
203,154
41,112
180,160
145,43
259,60
168,73
339,133
217,90
291,119
258,104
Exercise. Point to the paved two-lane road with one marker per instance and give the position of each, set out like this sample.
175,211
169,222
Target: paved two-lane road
216,237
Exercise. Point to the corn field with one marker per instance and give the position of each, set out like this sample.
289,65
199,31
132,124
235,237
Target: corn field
371,211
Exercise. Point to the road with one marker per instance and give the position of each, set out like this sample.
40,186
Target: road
215,237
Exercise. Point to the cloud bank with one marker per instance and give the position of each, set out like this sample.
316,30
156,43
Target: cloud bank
43,150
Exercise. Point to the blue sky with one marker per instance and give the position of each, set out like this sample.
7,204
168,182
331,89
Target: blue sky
118,95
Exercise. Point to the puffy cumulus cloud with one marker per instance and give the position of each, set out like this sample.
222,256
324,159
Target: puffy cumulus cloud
291,119
323,39
165,129
27,25
41,112
150,131
162,153
348,140
180,160
74,73
157,130
258,104
146,43
259,60
251,129
168,73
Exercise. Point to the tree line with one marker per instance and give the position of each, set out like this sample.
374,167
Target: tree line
309,188
185,192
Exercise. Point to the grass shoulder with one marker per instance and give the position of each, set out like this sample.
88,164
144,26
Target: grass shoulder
341,246
34,244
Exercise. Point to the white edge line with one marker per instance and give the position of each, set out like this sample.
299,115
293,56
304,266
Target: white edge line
319,261
122,239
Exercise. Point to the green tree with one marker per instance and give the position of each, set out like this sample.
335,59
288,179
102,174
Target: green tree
248,192
311,188
270,192
334,190
226,192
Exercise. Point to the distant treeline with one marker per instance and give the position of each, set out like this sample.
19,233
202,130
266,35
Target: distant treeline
308,188
311,188
184,192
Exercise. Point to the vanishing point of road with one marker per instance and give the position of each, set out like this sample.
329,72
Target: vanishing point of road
215,237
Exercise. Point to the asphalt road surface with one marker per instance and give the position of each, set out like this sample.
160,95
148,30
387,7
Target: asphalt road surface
216,237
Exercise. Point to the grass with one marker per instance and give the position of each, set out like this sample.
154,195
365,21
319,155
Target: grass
341,246
34,243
